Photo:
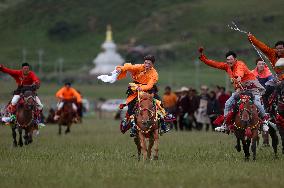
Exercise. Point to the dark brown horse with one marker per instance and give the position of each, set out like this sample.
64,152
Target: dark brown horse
147,126
276,110
25,119
246,124
67,115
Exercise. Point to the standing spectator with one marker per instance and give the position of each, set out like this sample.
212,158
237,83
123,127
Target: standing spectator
213,109
193,106
201,113
170,103
182,107
223,97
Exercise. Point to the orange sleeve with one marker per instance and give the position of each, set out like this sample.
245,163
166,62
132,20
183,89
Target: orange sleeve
77,95
128,67
59,93
214,64
269,52
152,81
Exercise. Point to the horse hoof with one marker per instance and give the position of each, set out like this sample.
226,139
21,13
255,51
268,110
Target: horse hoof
155,158
246,158
21,144
15,144
254,158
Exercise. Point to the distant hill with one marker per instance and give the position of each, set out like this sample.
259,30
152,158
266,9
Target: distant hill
74,30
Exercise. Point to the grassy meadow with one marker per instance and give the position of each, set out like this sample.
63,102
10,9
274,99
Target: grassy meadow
96,154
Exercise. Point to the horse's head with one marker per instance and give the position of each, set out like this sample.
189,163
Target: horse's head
29,100
246,107
146,111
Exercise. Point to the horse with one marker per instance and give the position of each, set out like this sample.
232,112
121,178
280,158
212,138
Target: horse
147,126
246,124
276,111
25,119
67,115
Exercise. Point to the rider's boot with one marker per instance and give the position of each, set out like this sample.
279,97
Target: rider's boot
12,111
164,128
132,124
38,119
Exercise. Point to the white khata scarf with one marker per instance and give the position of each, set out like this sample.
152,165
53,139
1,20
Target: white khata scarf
109,79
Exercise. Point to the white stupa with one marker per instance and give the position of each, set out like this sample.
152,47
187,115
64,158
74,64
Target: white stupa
107,60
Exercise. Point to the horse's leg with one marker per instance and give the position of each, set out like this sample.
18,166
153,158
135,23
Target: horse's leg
254,142
14,134
30,136
274,139
59,129
68,129
26,137
143,145
238,146
150,145
20,130
281,132
138,145
156,144
245,149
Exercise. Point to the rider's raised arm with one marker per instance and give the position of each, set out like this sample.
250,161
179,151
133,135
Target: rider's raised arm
212,63
11,72
128,67
269,52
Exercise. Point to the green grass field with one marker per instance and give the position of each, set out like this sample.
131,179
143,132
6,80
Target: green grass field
96,154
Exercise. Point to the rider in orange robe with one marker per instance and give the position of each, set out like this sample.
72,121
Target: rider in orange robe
145,76
67,93
273,54
243,79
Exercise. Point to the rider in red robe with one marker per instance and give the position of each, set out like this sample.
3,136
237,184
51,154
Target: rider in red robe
24,78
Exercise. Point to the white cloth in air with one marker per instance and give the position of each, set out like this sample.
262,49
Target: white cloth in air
109,79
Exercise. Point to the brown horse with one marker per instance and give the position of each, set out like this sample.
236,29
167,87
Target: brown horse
67,115
247,124
25,119
276,110
147,126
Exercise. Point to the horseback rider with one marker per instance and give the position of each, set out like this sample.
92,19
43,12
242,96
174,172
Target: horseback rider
243,79
26,80
145,76
67,93
274,55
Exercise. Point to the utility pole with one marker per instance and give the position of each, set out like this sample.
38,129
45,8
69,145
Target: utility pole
60,76
40,61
